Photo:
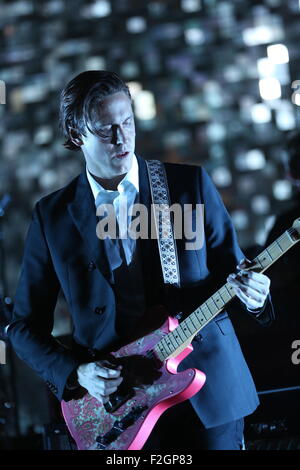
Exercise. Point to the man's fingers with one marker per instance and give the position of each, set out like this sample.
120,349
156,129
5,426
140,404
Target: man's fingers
251,288
252,294
258,281
245,269
103,388
253,298
253,283
106,372
251,303
244,264
257,277
108,386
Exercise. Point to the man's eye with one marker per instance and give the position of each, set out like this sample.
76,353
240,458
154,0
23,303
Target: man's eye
104,131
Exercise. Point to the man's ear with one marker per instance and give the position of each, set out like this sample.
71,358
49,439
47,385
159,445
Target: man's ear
75,137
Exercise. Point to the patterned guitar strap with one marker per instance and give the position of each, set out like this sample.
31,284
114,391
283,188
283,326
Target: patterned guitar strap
163,225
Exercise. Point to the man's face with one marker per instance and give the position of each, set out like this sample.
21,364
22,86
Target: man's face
109,153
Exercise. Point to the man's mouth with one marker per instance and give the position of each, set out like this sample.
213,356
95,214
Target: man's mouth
122,155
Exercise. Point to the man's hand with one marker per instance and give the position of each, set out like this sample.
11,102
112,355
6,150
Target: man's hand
252,288
99,379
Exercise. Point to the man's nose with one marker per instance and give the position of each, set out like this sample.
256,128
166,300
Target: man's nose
118,135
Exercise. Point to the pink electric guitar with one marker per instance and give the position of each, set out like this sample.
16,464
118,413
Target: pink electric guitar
151,383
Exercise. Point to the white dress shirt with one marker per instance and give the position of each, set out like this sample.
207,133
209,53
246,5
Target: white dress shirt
127,194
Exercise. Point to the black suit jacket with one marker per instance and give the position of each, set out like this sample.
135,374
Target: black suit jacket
62,251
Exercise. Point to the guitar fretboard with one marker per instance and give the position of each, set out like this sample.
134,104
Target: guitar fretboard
175,341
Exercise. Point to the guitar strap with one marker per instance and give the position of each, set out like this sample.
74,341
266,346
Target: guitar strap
162,222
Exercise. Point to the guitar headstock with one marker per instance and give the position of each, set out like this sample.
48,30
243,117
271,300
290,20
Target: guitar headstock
296,227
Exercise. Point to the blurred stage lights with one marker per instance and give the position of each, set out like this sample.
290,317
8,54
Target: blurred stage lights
194,36
130,69
95,63
193,108
284,116
216,131
282,190
260,204
48,179
134,88
43,135
216,151
191,6
246,184
178,138
265,67
19,8
213,94
260,113
269,88
136,24
98,9
278,54
144,105
250,161
221,176
260,236
262,34
156,8
255,159
240,219
53,7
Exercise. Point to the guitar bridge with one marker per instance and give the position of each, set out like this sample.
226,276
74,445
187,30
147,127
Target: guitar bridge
120,426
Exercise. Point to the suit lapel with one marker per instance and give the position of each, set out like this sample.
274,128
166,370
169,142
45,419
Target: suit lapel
144,187
83,213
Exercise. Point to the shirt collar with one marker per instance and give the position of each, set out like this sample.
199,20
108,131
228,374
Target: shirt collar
131,177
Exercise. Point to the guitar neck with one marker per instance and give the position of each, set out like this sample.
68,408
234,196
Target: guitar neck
178,339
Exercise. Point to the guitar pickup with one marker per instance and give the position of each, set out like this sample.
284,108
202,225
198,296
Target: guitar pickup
117,399
130,418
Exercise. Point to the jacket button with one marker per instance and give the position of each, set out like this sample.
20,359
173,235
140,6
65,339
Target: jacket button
99,310
91,266
91,352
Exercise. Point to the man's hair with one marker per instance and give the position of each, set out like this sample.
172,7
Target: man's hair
80,99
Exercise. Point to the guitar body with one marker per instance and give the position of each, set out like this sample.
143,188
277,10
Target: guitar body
148,389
